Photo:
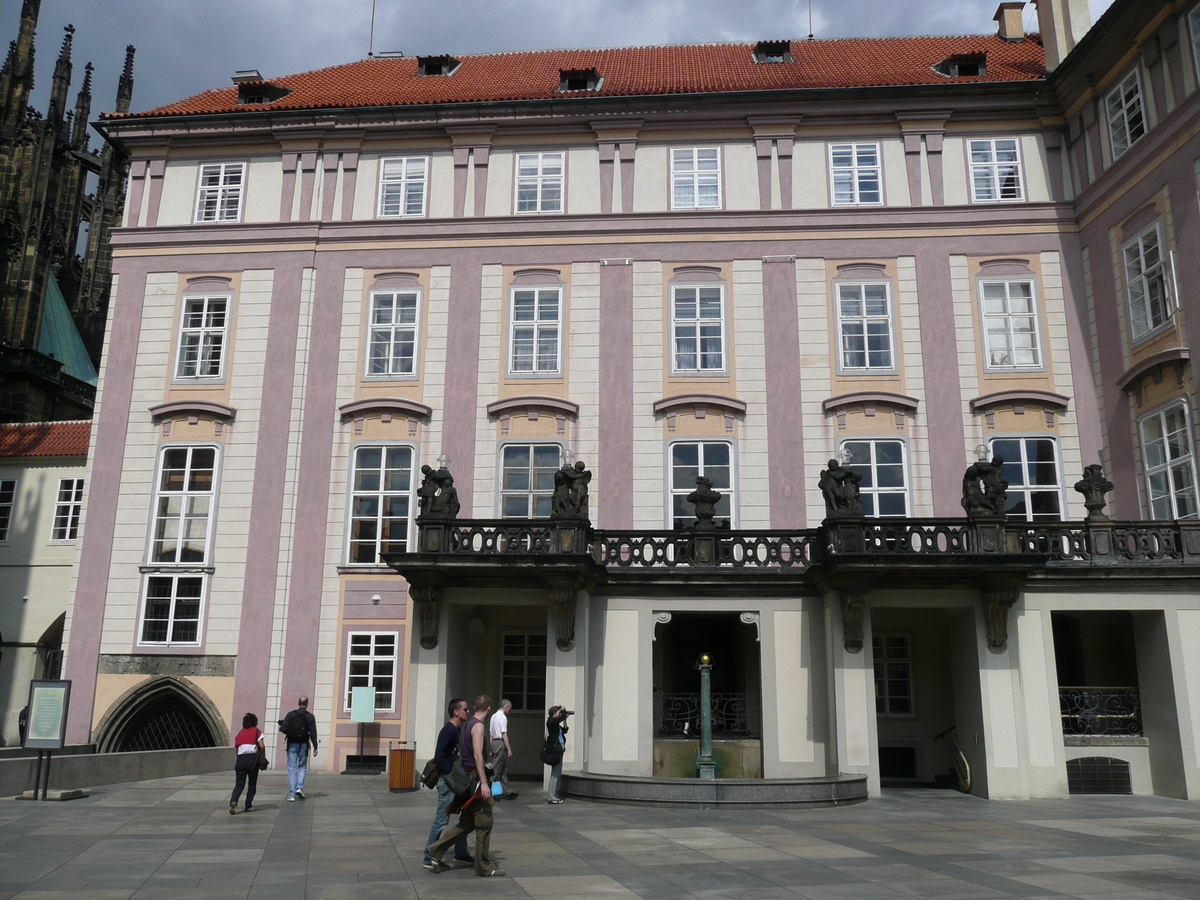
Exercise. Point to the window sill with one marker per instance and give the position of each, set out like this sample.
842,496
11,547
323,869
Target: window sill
365,569
183,569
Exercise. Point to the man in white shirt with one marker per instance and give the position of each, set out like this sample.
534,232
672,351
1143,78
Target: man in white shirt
501,748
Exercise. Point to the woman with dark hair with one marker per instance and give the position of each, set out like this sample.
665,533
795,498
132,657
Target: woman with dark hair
249,743
556,745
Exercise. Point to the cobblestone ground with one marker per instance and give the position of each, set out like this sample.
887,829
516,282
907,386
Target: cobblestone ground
175,839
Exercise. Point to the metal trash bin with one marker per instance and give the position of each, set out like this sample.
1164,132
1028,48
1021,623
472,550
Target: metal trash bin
402,766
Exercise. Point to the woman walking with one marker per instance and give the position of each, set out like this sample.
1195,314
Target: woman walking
556,745
249,743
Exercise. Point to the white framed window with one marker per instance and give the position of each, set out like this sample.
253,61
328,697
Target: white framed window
1169,463
203,328
523,670
893,674
527,479
698,328
183,505
68,510
380,501
1194,33
1146,282
8,497
540,182
1010,324
534,326
392,348
995,170
864,311
171,613
402,186
219,198
884,485
371,662
1032,471
691,459
856,174
696,178
1126,120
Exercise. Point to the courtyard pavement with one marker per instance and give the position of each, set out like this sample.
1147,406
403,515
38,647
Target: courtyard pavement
175,839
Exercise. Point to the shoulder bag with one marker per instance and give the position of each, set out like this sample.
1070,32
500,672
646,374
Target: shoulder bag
430,774
552,754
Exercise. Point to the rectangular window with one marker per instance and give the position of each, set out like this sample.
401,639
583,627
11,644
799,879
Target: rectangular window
8,494
371,662
698,324
183,505
68,509
1010,324
172,613
536,315
696,178
402,186
1145,283
393,345
202,333
220,196
883,488
523,672
540,182
995,170
893,675
1031,470
527,480
712,460
1169,465
854,170
1126,121
1194,31
865,325
379,504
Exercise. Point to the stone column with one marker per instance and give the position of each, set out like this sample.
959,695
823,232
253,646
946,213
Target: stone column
854,745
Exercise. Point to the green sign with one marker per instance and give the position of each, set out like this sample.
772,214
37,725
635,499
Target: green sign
48,702
362,704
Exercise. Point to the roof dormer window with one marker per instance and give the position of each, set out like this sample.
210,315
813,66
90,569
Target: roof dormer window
437,65
252,88
772,52
579,80
962,66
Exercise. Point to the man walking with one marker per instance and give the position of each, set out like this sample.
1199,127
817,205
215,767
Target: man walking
476,812
300,727
501,748
444,756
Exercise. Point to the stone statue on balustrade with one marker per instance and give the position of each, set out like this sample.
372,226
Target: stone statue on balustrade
1094,486
570,497
839,487
705,500
985,492
437,498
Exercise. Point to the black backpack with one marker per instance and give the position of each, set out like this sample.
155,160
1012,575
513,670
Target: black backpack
296,727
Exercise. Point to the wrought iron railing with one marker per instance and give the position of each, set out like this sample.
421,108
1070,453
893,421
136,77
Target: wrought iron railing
1108,711
738,549
733,715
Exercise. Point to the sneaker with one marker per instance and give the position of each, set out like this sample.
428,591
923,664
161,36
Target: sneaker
249,808
511,795
436,866
233,809
299,794
291,798
492,873
467,860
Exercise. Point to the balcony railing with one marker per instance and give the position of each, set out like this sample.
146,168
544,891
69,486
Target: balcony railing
1103,711
737,549
733,715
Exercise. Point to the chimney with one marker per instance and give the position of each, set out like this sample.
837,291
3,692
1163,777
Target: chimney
1012,28
1062,24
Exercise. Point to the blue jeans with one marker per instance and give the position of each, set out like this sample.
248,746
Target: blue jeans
297,767
440,819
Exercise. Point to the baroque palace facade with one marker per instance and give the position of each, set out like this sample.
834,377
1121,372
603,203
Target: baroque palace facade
725,261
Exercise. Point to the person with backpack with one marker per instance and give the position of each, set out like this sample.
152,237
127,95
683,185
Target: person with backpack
300,728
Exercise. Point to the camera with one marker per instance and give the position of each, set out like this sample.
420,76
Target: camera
568,712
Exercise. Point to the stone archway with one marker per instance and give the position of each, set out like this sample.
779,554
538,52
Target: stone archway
164,712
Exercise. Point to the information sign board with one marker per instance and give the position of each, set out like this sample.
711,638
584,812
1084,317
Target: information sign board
362,704
48,703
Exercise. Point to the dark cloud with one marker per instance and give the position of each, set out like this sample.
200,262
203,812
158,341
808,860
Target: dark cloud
187,46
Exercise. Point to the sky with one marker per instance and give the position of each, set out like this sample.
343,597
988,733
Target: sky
187,46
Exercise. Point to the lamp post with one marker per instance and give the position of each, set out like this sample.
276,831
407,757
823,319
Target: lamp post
707,766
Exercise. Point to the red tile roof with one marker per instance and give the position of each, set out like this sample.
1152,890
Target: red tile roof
637,71
45,439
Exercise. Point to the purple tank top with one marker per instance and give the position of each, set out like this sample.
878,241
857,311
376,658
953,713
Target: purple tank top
466,748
